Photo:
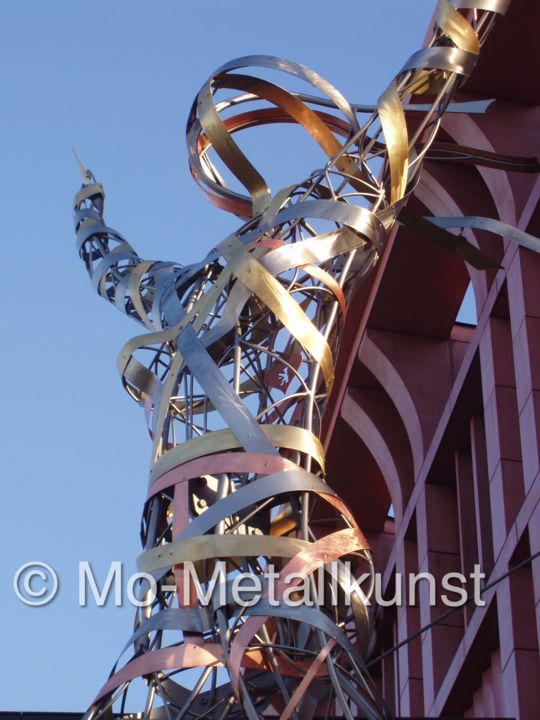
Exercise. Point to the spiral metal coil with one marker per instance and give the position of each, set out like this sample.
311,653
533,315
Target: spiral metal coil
233,372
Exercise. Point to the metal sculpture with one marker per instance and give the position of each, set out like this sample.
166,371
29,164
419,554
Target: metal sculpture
233,374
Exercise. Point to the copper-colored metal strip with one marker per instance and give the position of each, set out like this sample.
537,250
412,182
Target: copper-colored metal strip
301,689
225,198
319,274
299,71
298,111
326,550
282,436
189,656
229,462
208,547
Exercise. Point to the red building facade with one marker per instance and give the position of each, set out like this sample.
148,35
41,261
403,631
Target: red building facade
442,420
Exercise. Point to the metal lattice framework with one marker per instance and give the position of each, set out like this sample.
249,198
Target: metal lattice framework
233,372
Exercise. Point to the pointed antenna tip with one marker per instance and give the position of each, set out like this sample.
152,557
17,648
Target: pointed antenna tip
85,174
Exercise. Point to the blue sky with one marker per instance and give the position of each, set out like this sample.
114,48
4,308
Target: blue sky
116,80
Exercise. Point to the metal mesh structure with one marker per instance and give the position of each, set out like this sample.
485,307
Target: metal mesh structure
233,372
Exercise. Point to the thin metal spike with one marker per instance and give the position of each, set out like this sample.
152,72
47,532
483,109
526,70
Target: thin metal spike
86,175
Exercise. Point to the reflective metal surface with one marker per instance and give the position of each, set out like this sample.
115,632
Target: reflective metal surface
233,373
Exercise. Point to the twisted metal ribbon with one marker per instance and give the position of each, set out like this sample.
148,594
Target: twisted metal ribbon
233,372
